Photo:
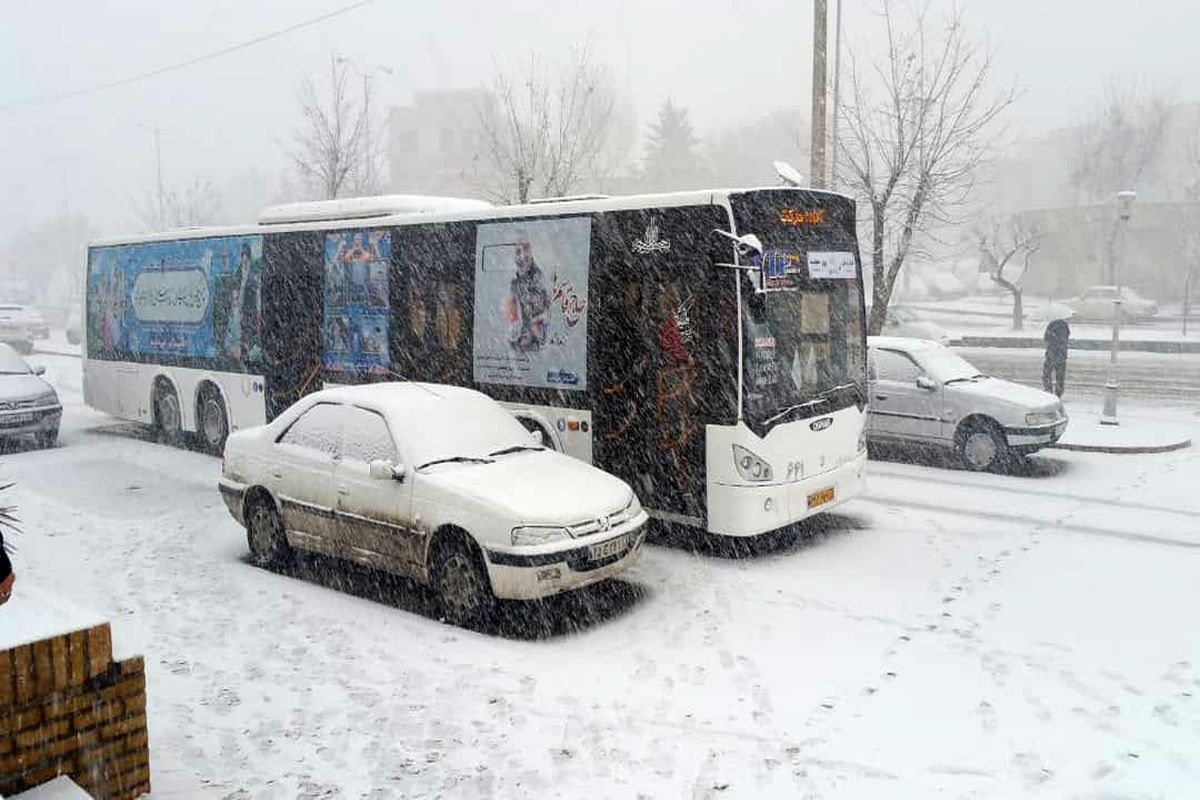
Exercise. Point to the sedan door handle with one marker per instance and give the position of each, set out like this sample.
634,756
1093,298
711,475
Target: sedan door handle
881,397
343,490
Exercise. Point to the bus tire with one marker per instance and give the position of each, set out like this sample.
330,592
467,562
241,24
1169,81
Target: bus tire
212,422
265,534
459,578
168,416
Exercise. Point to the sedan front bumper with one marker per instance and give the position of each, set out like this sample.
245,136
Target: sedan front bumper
517,575
29,421
1035,438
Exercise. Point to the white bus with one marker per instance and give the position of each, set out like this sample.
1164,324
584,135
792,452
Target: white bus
707,347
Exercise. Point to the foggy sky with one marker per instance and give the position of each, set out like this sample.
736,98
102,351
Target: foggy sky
226,119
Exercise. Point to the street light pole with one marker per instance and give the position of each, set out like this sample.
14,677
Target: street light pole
369,154
819,82
1124,208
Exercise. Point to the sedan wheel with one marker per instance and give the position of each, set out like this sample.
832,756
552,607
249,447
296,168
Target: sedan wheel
982,449
460,584
265,535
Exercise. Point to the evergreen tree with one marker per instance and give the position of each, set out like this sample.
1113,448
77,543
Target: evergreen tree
672,161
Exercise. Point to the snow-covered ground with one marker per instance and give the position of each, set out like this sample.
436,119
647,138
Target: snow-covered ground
950,633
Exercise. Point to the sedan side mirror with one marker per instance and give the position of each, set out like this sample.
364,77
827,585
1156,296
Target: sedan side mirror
926,383
383,471
39,370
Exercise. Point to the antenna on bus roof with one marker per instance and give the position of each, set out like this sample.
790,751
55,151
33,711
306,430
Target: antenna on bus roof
788,174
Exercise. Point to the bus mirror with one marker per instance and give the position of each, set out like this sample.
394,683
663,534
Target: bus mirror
747,244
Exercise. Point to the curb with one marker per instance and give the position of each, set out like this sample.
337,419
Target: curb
1123,449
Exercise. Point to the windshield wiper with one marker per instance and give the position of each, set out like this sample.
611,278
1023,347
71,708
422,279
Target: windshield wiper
822,397
457,460
516,448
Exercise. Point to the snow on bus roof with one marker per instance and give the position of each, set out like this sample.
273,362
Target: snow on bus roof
361,207
468,211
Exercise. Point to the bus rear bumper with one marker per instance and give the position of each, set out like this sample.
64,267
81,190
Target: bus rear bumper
748,510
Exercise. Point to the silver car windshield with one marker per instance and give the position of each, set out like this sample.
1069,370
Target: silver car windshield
11,363
944,366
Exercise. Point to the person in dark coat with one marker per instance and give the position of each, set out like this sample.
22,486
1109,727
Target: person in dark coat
1057,336
6,574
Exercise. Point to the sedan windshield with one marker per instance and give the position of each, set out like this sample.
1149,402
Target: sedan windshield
11,363
461,430
945,366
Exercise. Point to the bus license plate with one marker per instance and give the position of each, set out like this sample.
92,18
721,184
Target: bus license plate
609,548
820,498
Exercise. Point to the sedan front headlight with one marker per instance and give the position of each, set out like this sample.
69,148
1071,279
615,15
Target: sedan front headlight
1041,417
532,535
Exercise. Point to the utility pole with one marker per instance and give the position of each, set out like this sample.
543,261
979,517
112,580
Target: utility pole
819,82
158,173
837,96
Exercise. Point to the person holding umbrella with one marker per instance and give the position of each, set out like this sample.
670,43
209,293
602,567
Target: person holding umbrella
1054,368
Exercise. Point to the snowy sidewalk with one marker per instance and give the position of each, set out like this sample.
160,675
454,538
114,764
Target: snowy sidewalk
1137,432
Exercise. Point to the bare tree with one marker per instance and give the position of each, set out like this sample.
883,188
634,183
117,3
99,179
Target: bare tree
1120,141
198,203
1118,144
546,132
1006,248
327,151
917,124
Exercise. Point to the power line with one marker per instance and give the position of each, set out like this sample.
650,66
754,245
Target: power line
101,87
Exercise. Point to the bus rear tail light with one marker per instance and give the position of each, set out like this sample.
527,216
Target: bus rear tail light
750,466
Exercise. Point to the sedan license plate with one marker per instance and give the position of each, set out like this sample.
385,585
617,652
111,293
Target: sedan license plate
609,548
16,419
820,498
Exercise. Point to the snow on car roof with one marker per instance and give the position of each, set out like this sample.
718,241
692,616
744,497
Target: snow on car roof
396,395
901,342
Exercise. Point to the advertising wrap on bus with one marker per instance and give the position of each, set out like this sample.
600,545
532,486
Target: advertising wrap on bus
357,315
195,298
531,304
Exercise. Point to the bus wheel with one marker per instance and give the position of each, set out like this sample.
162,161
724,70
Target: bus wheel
168,421
214,424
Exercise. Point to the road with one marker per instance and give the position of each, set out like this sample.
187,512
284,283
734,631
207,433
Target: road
949,633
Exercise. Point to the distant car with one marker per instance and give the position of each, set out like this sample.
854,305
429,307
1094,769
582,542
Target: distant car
903,321
922,393
38,327
15,327
1096,304
28,405
435,482
74,327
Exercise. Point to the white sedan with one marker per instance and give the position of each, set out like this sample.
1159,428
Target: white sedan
922,393
435,482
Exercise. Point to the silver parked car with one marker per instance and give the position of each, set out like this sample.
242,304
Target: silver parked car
1096,304
923,393
28,405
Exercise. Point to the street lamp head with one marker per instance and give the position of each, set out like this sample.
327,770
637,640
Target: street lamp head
1125,203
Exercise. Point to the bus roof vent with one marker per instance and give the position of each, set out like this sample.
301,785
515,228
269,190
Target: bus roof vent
366,207
568,198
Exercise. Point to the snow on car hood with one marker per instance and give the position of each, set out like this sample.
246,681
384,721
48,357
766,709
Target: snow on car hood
1007,391
22,387
537,487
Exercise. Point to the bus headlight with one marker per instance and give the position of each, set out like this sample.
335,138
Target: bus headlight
750,466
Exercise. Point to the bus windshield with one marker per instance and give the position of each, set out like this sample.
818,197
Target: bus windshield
802,338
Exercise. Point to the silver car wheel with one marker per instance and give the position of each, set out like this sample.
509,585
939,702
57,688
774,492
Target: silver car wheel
980,449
